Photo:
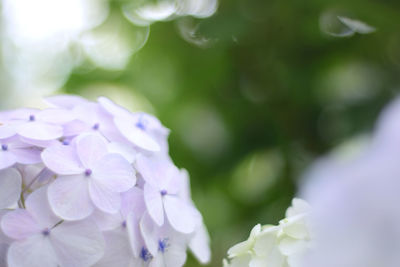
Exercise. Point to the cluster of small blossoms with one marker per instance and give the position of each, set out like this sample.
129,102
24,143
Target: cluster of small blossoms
91,184
275,246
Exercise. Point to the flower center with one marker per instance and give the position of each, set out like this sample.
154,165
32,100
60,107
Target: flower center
96,126
46,232
163,192
4,147
140,125
88,172
65,142
163,245
32,118
124,224
145,254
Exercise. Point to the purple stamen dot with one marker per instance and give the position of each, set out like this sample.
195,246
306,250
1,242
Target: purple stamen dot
163,192
65,142
124,224
46,232
32,118
96,126
140,125
145,254
88,172
162,245
4,147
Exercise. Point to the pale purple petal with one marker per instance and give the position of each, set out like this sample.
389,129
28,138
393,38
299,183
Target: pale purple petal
19,224
128,152
149,231
62,160
55,115
69,197
154,204
77,244
65,101
10,187
7,159
179,214
174,256
90,113
117,252
91,148
136,135
112,108
3,254
107,221
34,251
135,237
40,131
114,173
200,245
103,198
133,201
28,155
6,131
37,204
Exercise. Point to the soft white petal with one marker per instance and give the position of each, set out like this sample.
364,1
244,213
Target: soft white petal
35,251
69,197
10,187
77,244
179,214
55,115
174,256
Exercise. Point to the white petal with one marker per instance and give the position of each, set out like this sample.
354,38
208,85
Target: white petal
38,206
69,197
179,215
10,187
62,160
77,244
103,198
114,173
35,251
106,221
154,204
19,224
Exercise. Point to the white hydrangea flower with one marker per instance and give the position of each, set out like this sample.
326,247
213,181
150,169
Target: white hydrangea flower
275,246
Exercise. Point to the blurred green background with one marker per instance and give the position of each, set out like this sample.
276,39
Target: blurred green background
252,94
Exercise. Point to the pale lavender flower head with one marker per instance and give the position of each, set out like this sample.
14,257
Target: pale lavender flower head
91,184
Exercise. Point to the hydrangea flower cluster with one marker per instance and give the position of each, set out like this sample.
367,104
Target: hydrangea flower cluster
282,245
91,184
